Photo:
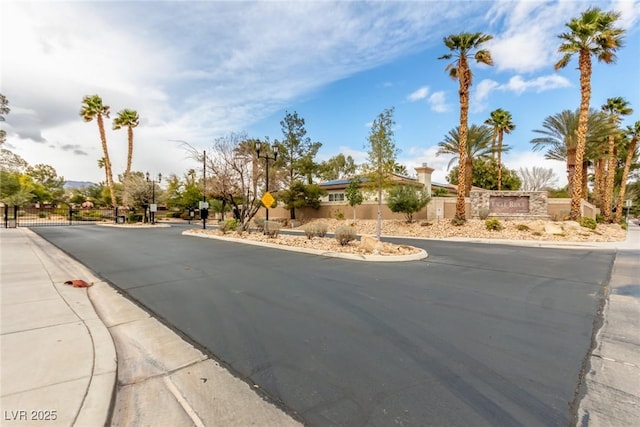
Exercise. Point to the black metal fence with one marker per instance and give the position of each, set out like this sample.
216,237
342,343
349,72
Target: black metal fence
18,216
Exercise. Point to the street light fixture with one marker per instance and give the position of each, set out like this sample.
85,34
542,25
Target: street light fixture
265,147
153,207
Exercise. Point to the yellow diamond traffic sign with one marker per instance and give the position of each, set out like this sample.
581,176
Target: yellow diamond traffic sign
267,200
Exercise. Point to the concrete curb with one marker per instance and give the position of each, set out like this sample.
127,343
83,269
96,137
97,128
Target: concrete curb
372,258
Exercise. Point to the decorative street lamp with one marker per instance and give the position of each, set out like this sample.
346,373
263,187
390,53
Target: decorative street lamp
153,208
266,149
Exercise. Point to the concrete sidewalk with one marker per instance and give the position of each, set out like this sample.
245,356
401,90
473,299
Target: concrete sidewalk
59,366
58,359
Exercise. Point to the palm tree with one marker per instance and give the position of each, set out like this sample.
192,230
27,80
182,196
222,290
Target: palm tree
593,33
502,123
464,45
614,108
129,119
560,139
478,146
634,133
92,108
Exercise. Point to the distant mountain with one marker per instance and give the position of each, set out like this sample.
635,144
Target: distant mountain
77,184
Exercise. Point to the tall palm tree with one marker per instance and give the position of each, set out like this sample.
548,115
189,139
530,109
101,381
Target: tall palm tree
464,45
593,33
129,119
614,108
93,108
478,146
560,139
633,132
501,122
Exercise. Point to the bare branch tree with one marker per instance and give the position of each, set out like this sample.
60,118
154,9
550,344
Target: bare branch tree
537,178
231,175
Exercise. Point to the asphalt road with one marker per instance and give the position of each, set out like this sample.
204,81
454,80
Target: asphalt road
473,335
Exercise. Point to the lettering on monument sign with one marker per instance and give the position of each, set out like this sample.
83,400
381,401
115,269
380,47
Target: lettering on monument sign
509,204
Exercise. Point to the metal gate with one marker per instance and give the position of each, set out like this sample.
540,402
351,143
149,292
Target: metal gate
18,216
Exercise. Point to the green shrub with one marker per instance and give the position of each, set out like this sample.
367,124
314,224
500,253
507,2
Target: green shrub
339,215
135,217
309,230
458,222
272,228
228,225
179,215
523,227
43,215
599,218
623,224
345,234
493,224
588,222
321,229
483,213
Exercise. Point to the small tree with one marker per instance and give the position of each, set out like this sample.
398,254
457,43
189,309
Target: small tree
353,193
407,199
382,158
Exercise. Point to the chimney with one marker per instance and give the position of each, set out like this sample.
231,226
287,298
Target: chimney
424,176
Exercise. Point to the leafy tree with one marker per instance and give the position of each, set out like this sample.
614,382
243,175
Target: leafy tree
93,108
13,192
614,108
478,147
47,185
382,153
336,167
298,153
502,123
129,119
400,169
4,110
302,195
485,175
407,199
464,45
10,161
593,33
537,178
633,132
353,193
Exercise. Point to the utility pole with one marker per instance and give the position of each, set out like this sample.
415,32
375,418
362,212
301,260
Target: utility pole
204,211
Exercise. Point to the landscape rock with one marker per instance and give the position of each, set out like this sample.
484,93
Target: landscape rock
553,228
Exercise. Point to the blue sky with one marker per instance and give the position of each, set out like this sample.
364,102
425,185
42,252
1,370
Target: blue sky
196,71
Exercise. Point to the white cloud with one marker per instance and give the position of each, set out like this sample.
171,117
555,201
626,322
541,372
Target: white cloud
438,102
539,84
418,94
516,84
529,40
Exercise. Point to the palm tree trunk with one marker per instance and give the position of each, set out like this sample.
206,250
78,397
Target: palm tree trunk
500,136
468,177
608,186
598,179
571,168
463,75
127,173
585,179
625,175
107,162
584,64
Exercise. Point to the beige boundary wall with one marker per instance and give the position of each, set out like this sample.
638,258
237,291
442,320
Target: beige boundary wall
438,208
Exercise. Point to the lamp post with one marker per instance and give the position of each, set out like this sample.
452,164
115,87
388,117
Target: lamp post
153,207
266,149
